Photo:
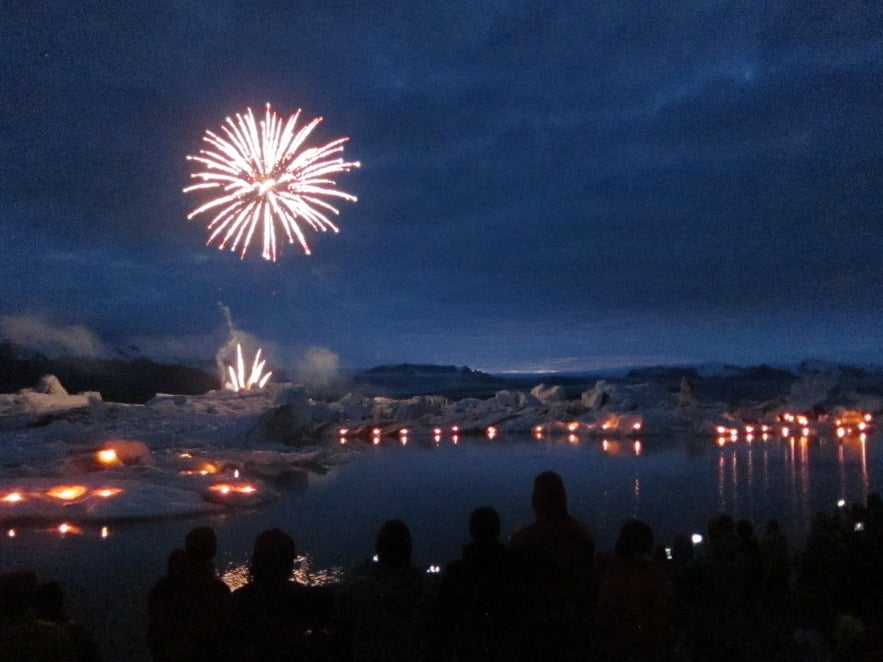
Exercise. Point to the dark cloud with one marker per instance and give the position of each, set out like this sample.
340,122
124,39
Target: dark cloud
575,184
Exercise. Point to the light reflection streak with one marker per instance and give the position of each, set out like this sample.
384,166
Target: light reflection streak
237,574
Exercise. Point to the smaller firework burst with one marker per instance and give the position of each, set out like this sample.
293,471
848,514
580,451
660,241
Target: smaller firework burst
255,379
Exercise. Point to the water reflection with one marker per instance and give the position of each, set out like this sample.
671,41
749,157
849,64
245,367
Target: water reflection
236,574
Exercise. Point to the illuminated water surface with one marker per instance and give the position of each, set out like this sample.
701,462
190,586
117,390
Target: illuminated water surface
674,484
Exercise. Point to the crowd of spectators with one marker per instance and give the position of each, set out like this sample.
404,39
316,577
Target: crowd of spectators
546,595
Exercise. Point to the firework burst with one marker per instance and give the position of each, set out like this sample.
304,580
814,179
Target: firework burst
240,380
266,179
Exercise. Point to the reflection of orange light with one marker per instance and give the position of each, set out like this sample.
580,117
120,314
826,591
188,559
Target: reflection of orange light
376,440
436,438
105,532
107,456
107,491
573,439
721,441
10,533
491,432
785,432
456,439
207,468
637,448
13,497
64,528
605,445
805,432
67,492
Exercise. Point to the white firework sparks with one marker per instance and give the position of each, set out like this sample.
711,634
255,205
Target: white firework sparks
266,178
257,378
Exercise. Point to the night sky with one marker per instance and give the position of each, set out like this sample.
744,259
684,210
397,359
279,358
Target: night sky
545,185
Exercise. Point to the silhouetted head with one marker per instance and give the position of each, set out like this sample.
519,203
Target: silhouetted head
201,543
745,529
635,539
16,593
273,557
722,526
49,602
549,496
394,544
484,523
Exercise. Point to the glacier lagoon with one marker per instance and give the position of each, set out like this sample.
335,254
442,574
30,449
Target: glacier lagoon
675,484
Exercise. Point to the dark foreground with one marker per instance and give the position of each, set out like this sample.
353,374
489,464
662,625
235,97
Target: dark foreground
548,594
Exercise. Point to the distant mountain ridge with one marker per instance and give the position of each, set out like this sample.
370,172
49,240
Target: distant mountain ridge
139,379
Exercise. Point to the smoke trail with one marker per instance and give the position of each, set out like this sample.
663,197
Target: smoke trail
233,337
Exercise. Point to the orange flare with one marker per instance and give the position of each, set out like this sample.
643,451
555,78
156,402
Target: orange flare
67,492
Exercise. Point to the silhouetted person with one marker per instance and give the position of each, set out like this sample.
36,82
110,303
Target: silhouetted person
188,607
271,616
554,561
477,593
49,606
712,589
774,559
750,566
385,603
634,612
24,638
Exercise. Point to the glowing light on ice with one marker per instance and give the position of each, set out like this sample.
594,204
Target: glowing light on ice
106,492
13,497
491,432
107,457
226,488
68,529
105,532
265,179
67,492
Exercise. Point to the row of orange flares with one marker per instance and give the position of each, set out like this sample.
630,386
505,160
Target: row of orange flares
62,493
65,529
402,434
572,429
848,426
492,432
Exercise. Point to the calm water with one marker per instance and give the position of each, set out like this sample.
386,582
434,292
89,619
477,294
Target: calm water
674,484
